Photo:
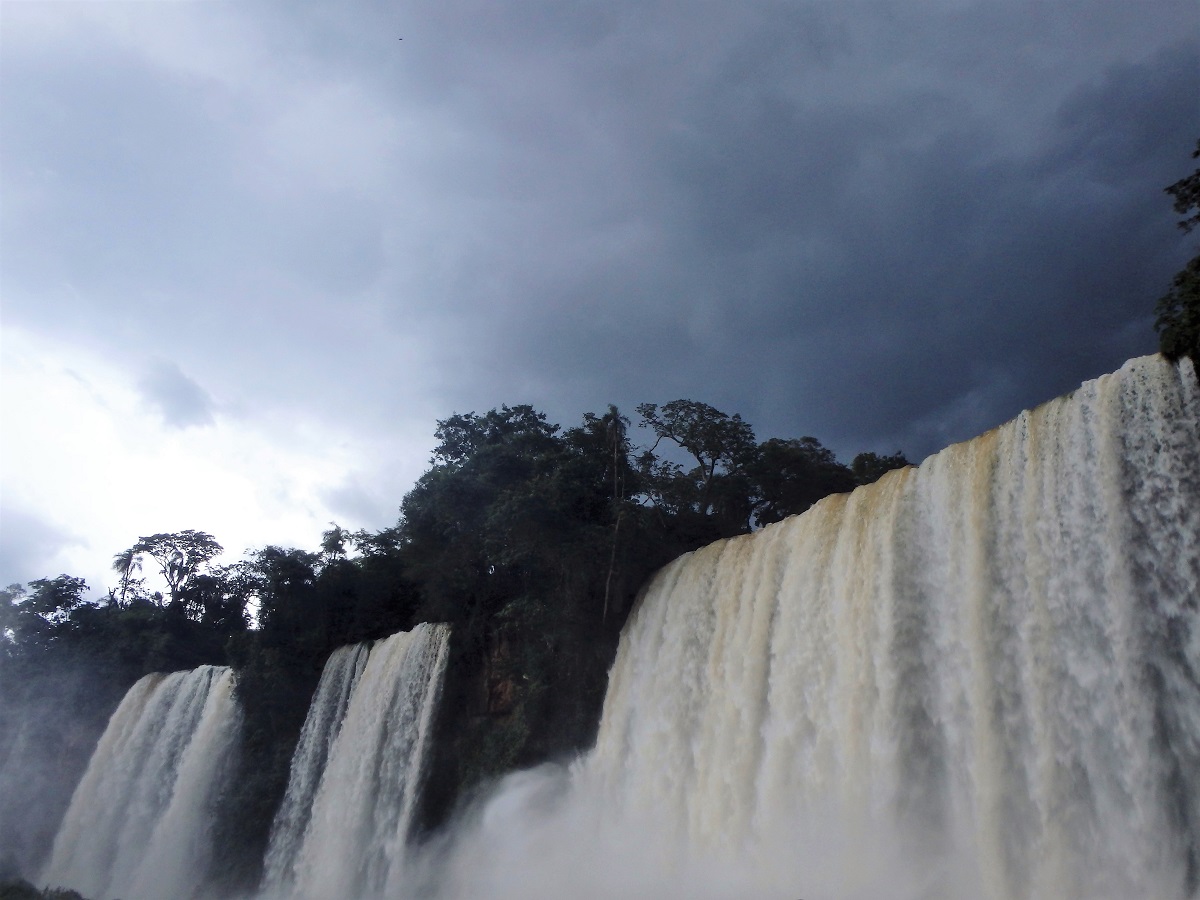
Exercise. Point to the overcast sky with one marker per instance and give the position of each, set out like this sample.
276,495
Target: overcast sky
250,252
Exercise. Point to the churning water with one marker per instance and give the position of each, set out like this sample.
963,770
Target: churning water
979,678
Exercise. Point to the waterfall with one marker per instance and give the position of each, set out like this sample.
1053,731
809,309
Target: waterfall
356,773
979,678
321,728
138,825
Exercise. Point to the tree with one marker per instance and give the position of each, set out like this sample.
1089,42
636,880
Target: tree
218,598
790,476
616,429
281,581
34,614
1186,193
54,599
1178,311
518,428
870,467
333,543
10,600
722,445
125,564
180,556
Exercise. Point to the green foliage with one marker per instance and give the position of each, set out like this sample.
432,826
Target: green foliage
1177,317
793,475
1186,195
180,556
870,467
36,613
722,446
18,890
23,890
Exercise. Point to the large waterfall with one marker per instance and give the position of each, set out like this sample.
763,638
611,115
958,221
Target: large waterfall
343,828
139,823
979,678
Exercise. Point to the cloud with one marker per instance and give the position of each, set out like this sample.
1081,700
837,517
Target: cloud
180,401
358,503
886,226
29,546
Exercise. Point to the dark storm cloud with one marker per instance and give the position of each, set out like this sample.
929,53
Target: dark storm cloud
356,503
882,224
178,399
853,231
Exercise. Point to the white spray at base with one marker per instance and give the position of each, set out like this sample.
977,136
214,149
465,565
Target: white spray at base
344,825
979,678
139,823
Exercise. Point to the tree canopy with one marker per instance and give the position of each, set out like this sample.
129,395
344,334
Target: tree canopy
1178,311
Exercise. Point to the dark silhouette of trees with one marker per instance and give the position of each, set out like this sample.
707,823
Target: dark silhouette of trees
722,445
180,556
870,467
790,476
1178,311
125,564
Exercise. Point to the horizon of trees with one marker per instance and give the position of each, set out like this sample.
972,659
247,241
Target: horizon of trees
736,486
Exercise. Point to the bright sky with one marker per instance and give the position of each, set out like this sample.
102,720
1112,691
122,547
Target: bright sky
107,463
251,251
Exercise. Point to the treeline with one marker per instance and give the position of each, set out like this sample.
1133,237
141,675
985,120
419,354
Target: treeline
1177,318
22,890
530,540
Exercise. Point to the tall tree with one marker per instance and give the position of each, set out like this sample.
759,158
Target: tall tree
1178,311
180,555
790,476
721,444
34,614
870,467
125,564
333,543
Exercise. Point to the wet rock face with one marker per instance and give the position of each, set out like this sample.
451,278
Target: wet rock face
499,684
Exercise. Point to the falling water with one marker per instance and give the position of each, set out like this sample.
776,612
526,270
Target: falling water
138,825
979,678
344,825
321,728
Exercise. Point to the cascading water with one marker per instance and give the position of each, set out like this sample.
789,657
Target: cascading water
979,678
321,728
975,679
343,827
138,825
